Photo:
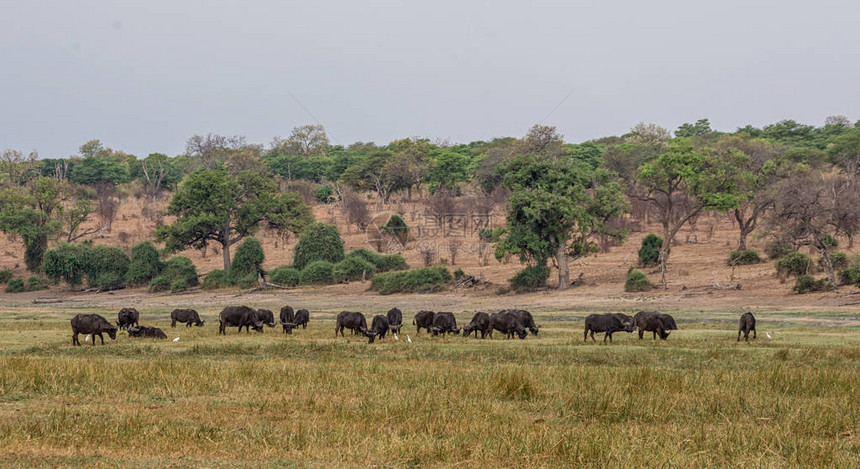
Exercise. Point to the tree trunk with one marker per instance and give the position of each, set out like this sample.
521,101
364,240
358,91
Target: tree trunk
664,253
225,242
825,259
563,267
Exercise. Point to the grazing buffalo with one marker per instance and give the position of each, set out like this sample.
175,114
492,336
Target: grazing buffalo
266,316
301,318
525,318
508,323
655,322
288,318
352,321
127,317
480,322
187,316
608,323
378,328
444,323
143,331
395,320
747,325
91,324
423,319
239,316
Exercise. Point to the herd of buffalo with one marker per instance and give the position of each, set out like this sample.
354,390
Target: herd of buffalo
510,322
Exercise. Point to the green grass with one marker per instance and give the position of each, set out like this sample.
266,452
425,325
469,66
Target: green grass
698,399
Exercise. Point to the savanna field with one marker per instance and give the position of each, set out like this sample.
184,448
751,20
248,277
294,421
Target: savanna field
309,399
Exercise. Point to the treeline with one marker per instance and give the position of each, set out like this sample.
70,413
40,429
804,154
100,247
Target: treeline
795,181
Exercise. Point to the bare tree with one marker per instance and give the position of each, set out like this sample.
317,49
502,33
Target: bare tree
213,148
543,140
355,209
306,140
18,167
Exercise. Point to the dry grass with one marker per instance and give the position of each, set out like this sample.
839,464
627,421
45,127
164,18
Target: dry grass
700,399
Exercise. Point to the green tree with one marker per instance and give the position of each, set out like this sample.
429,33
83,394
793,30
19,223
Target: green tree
682,181
211,205
318,242
556,209
447,168
248,259
32,215
702,126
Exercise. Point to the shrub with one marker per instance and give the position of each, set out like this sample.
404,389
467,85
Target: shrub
105,267
248,281
160,283
778,248
5,276
317,272
324,194
530,278
839,260
216,279
459,274
248,260
66,262
144,264
795,263
745,257
850,275
808,284
637,281
425,279
285,276
181,267
830,241
178,284
397,228
649,253
352,268
34,283
319,242
382,262
15,285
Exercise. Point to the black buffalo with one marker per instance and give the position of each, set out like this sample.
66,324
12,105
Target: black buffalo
127,317
288,318
747,325
423,319
480,322
444,323
144,331
301,318
608,323
378,327
239,316
655,322
525,318
187,316
352,321
93,324
508,323
266,316
395,320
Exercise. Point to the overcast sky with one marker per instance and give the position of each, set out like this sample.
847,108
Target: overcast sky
144,76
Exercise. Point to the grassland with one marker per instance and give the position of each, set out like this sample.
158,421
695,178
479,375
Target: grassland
699,399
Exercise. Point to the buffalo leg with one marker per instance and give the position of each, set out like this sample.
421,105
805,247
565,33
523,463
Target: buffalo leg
585,336
640,334
754,333
75,339
739,334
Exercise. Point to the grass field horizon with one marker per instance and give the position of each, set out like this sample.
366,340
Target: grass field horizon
698,399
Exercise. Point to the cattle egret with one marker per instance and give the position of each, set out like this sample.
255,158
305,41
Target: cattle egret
87,338
408,339
176,339
768,335
395,336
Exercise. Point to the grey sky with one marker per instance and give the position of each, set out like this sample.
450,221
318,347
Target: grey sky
144,76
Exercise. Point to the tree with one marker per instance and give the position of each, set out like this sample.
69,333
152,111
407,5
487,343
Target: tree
211,205
32,216
702,126
648,134
374,173
17,168
410,163
543,140
306,140
211,150
318,242
447,168
683,181
158,173
555,210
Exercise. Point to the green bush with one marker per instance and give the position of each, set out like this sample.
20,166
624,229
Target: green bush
5,276
808,284
745,257
66,262
795,263
216,279
34,283
459,274
248,260
160,283
649,253
15,285
530,278
830,241
398,228
850,275
839,260
382,262
778,248
105,267
248,281
637,281
423,280
353,268
181,267
285,276
319,242
144,264
317,273
178,285
324,194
